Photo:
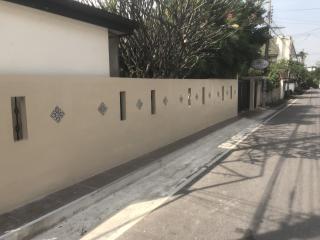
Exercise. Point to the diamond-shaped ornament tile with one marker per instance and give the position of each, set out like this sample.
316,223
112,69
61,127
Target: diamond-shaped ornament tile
209,95
235,92
218,94
227,92
57,114
197,96
102,108
165,101
181,99
139,104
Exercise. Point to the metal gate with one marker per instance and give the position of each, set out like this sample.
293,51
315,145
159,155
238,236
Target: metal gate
244,95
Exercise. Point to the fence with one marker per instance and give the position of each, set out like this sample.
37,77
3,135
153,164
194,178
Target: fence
58,130
276,94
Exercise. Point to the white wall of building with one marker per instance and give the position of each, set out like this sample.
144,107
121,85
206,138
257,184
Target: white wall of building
36,42
281,87
290,87
286,48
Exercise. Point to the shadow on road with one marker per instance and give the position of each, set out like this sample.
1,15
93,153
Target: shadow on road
288,137
307,227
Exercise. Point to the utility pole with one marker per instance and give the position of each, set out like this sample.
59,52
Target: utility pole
269,30
266,54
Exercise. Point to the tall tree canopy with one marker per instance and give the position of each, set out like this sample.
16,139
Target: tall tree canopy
236,53
189,38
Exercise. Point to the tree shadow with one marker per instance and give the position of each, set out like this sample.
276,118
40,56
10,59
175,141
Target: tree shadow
307,227
281,137
297,114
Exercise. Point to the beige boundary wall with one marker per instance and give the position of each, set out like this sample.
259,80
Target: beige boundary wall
85,143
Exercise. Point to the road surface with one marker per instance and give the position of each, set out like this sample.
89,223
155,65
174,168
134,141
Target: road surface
268,188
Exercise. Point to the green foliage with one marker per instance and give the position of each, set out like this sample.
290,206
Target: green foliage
236,53
292,70
189,38
276,72
173,37
314,80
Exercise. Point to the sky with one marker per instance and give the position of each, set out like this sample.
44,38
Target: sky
301,19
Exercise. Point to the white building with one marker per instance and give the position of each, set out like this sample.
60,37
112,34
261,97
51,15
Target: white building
59,37
282,48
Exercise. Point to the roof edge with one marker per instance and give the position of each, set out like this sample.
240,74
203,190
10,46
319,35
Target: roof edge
82,12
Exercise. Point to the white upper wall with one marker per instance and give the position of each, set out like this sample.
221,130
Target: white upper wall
286,48
36,42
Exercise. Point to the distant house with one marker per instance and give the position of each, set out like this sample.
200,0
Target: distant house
282,48
59,37
251,90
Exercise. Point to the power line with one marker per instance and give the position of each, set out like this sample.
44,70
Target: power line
277,28
299,10
300,23
297,20
267,47
272,29
308,32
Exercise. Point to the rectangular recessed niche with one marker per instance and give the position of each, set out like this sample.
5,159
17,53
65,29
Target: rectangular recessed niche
231,92
189,96
203,95
153,102
123,114
19,118
222,93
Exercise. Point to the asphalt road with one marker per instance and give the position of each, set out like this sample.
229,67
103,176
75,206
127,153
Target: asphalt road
268,188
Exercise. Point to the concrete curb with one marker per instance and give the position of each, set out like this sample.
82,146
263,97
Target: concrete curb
222,155
49,220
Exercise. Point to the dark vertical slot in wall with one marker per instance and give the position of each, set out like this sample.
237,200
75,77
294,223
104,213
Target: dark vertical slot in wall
123,114
189,96
231,92
153,102
19,118
203,95
222,93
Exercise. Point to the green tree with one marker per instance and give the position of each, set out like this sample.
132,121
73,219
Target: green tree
189,38
237,52
292,70
315,78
